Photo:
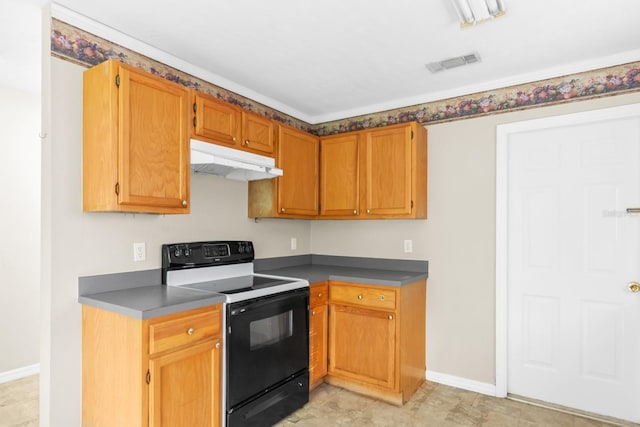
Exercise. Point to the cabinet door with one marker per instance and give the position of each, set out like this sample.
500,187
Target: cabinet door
216,121
339,176
298,159
258,133
387,168
185,387
153,143
318,323
351,331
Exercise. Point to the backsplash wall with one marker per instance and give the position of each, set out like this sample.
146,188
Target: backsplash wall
78,243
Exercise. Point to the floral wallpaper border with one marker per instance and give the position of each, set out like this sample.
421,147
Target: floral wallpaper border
76,45
591,84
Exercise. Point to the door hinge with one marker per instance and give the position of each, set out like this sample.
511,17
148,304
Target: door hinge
195,107
117,188
195,121
412,204
148,377
118,80
411,133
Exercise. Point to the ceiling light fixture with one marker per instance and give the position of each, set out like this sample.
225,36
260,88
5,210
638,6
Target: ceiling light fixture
473,12
449,63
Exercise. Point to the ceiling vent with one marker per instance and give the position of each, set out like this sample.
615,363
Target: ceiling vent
457,61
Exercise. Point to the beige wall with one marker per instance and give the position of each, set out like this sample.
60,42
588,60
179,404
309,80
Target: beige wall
20,229
458,239
81,244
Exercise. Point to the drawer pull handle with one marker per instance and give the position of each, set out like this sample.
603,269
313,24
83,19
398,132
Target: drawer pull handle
381,297
359,296
190,331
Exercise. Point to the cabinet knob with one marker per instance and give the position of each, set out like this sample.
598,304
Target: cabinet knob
368,211
381,297
313,312
217,345
184,203
190,331
233,139
359,296
281,209
246,142
355,212
319,294
390,317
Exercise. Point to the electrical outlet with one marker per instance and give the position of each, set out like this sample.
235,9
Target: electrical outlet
408,246
139,251
294,243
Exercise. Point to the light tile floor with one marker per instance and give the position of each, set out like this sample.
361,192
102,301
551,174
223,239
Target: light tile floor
19,402
433,405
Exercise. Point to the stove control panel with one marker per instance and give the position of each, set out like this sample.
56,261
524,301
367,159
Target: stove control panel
178,256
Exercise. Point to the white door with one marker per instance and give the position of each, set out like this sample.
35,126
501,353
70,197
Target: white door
573,325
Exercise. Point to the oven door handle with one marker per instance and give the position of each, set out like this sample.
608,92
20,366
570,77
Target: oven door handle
256,305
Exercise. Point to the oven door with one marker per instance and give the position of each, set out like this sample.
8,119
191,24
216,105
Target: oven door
267,343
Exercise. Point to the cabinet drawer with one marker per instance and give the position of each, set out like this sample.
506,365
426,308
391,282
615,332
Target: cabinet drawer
178,331
364,296
319,294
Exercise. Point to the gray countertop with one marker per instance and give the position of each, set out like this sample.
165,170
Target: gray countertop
140,295
319,273
150,301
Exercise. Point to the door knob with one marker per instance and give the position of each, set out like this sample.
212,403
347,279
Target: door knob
634,287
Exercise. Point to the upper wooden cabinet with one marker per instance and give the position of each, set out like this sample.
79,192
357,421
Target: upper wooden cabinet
258,133
215,121
339,175
377,173
295,193
135,141
222,123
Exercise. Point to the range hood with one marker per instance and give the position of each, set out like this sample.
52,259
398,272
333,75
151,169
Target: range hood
234,164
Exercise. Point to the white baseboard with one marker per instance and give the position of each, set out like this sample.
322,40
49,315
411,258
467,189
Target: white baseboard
16,374
463,383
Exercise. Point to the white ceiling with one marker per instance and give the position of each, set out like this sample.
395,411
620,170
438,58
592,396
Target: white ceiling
20,44
331,59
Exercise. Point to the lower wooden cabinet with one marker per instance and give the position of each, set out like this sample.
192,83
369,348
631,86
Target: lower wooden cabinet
377,339
318,323
363,345
163,371
184,387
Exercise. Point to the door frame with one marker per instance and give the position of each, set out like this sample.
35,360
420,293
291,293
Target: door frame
503,133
